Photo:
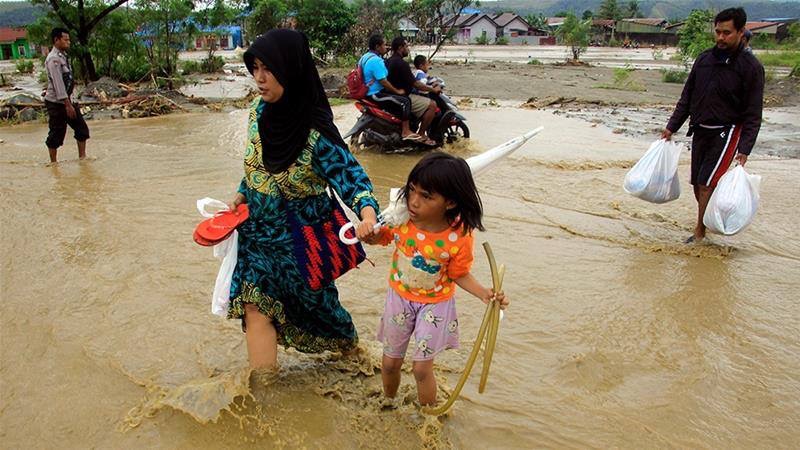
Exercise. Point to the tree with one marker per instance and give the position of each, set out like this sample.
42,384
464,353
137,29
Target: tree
633,9
325,22
609,9
575,34
266,15
81,20
537,21
167,28
441,16
695,35
588,14
215,14
373,16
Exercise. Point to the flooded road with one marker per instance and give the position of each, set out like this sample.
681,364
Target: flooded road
617,336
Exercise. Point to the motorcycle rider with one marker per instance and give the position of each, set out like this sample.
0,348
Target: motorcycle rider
400,75
381,91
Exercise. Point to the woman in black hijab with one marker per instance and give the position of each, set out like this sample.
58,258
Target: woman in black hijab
294,152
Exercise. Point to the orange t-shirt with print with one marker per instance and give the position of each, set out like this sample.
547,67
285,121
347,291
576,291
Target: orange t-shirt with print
424,264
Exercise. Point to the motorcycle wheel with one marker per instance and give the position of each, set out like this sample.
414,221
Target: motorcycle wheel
455,132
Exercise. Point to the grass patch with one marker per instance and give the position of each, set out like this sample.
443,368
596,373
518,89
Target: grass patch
534,62
336,101
779,58
623,81
674,75
25,66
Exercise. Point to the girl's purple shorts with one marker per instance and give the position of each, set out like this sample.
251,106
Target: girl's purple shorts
433,325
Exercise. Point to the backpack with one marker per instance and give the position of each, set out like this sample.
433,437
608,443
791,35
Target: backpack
355,82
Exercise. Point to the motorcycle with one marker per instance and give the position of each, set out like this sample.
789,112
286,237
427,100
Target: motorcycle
381,129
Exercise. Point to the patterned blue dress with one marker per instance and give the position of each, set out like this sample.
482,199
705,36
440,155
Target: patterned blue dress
267,273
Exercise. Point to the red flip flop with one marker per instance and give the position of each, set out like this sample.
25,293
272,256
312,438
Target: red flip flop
204,242
221,225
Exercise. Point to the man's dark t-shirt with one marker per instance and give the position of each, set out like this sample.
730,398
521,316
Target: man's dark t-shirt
400,73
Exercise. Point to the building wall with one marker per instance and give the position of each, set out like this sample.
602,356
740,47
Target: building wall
531,40
19,49
478,28
515,25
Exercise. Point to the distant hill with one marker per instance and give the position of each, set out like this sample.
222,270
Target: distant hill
18,14
756,9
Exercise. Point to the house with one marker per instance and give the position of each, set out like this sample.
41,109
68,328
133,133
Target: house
224,37
554,22
602,31
469,28
510,24
650,31
776,30
14,44
408,28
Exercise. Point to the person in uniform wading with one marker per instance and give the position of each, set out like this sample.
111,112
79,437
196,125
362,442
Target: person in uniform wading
723,95
61,111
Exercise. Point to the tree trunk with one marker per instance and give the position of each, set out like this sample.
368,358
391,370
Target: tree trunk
89,71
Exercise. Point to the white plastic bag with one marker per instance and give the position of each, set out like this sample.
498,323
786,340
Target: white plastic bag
733,203
654,177
226,250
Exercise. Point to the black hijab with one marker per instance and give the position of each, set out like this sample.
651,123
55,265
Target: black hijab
285,124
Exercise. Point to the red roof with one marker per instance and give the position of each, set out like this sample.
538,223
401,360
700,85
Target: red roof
647,21
752,26
12,34
608,23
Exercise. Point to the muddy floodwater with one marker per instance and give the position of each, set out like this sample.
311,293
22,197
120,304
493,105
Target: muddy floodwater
618,335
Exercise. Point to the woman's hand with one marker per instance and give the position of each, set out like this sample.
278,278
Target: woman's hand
238,199
366,231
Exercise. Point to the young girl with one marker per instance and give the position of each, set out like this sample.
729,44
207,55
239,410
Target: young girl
433,253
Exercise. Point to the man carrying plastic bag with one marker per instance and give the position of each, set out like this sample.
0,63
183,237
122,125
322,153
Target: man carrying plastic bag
724,96
654,178
734,202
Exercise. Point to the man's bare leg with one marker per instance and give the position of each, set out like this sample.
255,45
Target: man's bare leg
53,155
81,149
703,194
427,118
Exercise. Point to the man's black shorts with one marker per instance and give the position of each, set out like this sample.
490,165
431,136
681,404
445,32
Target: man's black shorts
58,120
713,150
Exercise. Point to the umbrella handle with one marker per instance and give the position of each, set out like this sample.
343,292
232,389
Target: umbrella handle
347,227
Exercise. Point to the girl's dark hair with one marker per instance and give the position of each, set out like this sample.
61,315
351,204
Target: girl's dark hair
450,177
374,41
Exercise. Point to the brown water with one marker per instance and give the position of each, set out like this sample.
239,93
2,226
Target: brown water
618,336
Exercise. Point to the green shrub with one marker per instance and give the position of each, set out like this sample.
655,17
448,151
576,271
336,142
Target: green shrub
674,75
189,67
130,68
215,64
25,66
502,40
658,54
623,80
482,40
534,62
614,42
345,61
43,77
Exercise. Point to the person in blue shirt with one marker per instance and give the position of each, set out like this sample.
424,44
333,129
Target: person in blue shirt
381,91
